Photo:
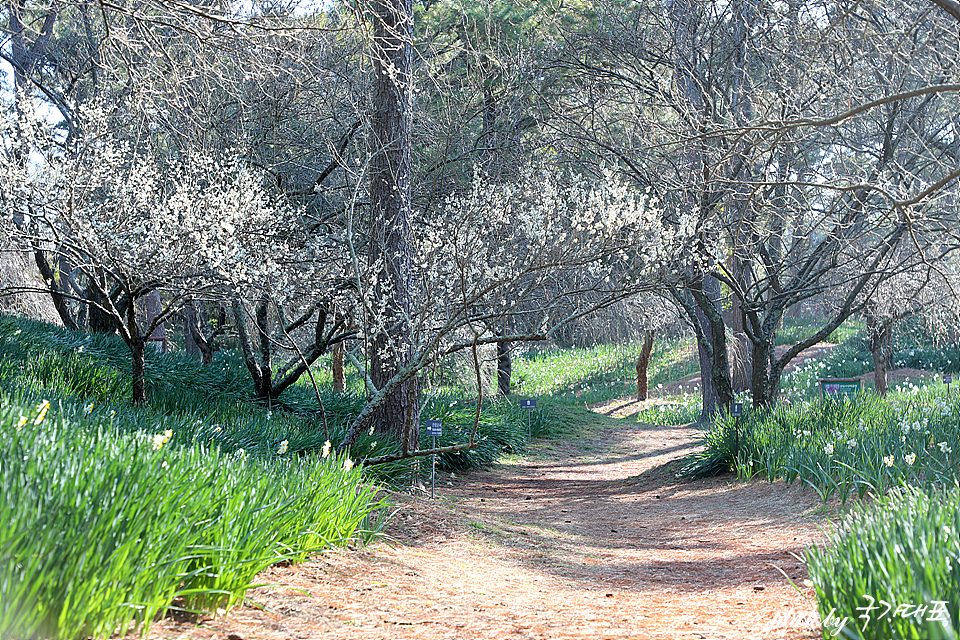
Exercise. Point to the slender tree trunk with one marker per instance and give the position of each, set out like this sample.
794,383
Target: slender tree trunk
246,348
190,318
196,342
136,343
59,301
741,357
336,366
390,254
265,388
643,364
138,372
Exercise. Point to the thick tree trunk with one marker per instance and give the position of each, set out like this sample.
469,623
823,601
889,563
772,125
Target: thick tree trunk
643,363
765,374
880,371
880,341
504,368
760,384
390,191
714,366
97,320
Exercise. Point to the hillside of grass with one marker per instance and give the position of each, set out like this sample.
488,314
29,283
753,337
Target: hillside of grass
112,515
603,372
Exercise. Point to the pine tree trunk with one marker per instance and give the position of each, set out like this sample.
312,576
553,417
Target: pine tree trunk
390,191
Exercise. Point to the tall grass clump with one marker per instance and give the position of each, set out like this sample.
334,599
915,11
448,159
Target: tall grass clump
102,530
841,447
213,403
897,562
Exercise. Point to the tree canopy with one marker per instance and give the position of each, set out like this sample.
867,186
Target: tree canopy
414,180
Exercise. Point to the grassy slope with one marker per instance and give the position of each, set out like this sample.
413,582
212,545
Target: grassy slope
110,515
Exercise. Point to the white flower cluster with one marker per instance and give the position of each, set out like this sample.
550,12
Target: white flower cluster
131,208
495,239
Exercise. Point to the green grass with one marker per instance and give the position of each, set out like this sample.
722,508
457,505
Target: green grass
103,528
940,359
682,409
590,375
842,448
795,329
905,452
213,403
111,515
904,550
914,347
846,360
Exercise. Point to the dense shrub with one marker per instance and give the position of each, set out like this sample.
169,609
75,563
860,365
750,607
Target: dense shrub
841,447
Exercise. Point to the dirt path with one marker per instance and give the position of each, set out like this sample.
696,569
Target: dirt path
593,538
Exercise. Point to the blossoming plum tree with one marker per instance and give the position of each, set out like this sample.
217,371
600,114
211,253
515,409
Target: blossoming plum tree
130,218
542,250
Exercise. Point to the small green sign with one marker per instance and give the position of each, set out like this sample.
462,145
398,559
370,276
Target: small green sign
840,387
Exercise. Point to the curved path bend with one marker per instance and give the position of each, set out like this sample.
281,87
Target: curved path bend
587,538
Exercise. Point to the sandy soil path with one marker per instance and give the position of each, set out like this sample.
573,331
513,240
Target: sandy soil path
593,538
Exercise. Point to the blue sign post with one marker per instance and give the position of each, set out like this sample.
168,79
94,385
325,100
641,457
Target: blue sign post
434,430
736,411
530,404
